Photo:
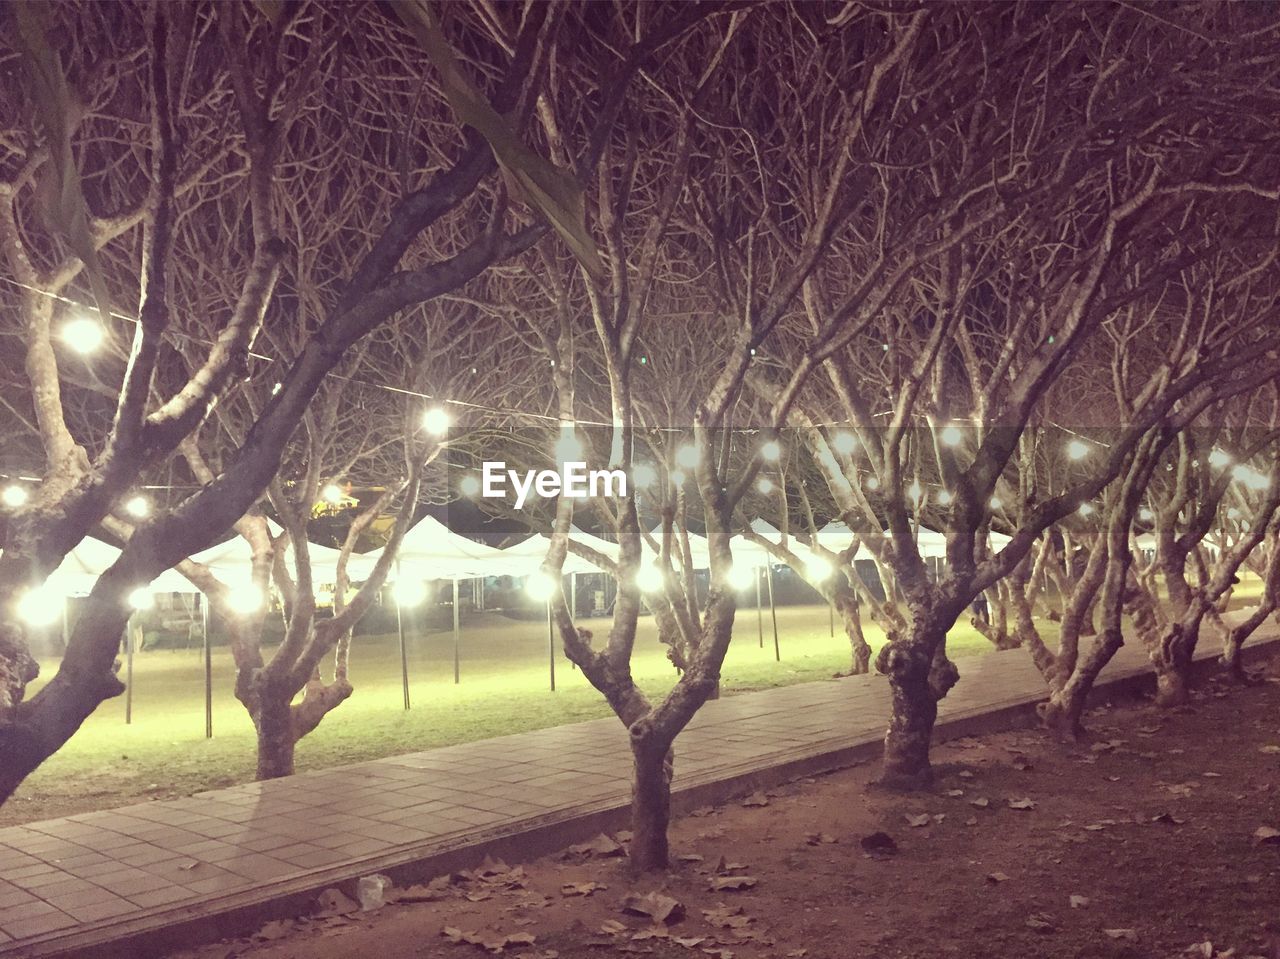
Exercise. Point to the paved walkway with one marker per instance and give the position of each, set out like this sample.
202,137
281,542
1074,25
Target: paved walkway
75,885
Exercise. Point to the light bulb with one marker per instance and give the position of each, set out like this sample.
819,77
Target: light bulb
915,493
678,478
1086,509
995,503
138,507
649,578
332,494
469,485
83,334
15,496
872,482
844,443
436,421
688,456
944,497
1219,459
740,577
771,450
410,592
1077,449
951,436
40,606
819,568
141,598
245,599
764,485
540,586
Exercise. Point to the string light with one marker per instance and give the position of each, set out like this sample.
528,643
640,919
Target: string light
139,507
436,421
844,443
15,496
83,335
871,482
141,598
678,478
245,600
649,578
332,494
540,586
40,606
995,503
469,485
740,577
764,485
1077,449
1146,515
688,456
771,450
410,592
915,493
819,568
944,497
1219,459
1085,509
951,436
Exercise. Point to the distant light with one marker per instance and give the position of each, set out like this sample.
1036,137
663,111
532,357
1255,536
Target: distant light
688,456
740,577
245,600
540,586
1086,509
469,485
141,598
951,436
277,388
436,421
643,475
40,606
649,578
1146,515
844,443
1077,449
771,450
764,485
914,492
678,478
83,334
15,496
410,592
995,503
871,482
1250,478
1219,459
139,507
945,497
819,568
568,448
332,494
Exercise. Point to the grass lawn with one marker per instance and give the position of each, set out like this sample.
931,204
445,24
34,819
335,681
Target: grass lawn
504,689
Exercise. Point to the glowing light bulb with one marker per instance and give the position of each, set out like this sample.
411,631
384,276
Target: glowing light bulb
740,577
83,334
410,592
643,475
540,586
1219,458
141,598
436,421
40,606
819,568
678,478
332,494
15,496
915,493
771,450
951,436
1085,509
945,497
469,485
765,485
649,578
871,482
1077,449
688,456
995,503
1146,515
844,443
139,507
246,599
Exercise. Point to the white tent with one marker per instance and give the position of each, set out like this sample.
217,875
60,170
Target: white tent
90,558
430,550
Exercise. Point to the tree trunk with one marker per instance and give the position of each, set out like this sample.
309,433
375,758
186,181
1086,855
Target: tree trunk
276,737
1061,715
1171,685
914,711
850,615
650,806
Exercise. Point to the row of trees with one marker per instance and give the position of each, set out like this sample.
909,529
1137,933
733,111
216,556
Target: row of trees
965,269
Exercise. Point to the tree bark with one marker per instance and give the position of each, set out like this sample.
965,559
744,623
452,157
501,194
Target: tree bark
1062,714
1171,685
914,711
847,608
276,741
650,805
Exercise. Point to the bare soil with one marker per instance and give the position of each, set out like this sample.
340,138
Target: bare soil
1140,843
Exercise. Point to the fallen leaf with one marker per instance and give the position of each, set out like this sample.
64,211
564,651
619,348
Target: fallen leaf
982,802
997,877
1203,949
1021,803
611,927
1267,835
602,846
727,917
580,888
756,799
731,883
1269,749
1129,935
955,793
1041,922
916,822
655,905
1079,902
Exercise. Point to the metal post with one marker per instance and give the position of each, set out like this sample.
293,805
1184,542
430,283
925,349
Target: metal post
773,612
551,646
759,610
457,630
208,667
128,681
404,653
831,617
573,606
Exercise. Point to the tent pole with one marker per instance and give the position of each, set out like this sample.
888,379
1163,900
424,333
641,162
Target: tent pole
404,653
831,617
208,667
457,626
128,658
573,605
773,612
759,610
551,646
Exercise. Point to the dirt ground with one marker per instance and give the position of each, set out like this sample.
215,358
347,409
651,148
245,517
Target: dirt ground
1152,840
